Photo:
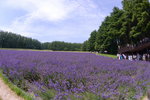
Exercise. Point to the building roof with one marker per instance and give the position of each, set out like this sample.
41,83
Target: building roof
134,49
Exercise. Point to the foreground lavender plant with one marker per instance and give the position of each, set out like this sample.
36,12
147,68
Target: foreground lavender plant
62,75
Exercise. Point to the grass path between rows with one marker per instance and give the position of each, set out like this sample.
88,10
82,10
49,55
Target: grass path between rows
107,55
6,93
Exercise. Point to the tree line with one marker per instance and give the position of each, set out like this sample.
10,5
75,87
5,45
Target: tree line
62,46
123,26
12,40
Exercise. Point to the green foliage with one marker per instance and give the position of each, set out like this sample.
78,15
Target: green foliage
108,55
47,95
137,14
92,40
124,26
62,46
11,40
32,76
86,96
85,46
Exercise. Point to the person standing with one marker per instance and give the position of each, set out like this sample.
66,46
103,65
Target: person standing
121,57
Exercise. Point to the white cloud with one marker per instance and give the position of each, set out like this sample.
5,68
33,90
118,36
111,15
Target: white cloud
51,10
54,12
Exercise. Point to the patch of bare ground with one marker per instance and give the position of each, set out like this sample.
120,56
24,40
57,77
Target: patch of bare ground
145,98
6,93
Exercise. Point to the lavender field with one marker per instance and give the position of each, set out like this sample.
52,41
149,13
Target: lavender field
75,76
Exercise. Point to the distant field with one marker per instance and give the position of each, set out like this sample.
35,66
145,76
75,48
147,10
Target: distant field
37,50
107,55
75,76
22,49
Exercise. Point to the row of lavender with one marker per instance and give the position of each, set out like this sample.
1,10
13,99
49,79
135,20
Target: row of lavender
74,74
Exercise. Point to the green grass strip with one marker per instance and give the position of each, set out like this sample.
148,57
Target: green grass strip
108,55
14,88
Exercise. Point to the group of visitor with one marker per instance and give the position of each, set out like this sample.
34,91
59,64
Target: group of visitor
121,56
144,57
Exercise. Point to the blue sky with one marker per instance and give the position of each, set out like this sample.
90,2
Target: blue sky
55,20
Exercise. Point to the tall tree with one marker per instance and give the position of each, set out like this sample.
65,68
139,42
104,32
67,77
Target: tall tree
137,24
85,46
109,32
92,41
124,26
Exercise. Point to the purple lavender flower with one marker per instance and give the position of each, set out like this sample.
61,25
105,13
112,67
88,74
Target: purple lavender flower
76,73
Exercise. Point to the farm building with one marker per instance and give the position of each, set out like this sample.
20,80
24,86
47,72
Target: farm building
140,51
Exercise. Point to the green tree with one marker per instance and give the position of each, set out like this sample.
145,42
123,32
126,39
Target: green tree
92,40
124,26
85,46
109,32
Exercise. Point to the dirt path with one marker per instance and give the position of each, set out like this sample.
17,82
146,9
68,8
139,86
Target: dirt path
6,93
145,98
